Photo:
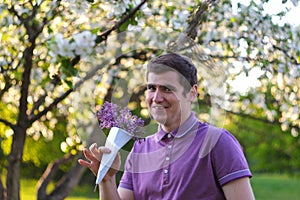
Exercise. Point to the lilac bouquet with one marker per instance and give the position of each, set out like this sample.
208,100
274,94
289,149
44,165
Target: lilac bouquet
111,115
123,127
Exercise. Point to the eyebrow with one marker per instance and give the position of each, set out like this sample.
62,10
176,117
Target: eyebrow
171,87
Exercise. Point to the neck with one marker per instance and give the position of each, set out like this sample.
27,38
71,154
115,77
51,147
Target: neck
171,127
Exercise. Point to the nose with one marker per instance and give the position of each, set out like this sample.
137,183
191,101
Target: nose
157,97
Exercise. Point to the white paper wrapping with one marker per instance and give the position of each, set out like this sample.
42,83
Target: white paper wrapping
116,139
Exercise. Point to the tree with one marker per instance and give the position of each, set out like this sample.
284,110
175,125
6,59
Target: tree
56,55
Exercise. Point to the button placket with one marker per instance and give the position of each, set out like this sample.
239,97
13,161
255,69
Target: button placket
166,170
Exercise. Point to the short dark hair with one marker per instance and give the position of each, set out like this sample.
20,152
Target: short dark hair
178,63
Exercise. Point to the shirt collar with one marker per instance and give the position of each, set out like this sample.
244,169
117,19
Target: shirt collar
180,131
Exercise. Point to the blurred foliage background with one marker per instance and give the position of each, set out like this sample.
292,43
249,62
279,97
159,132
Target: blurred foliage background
60,60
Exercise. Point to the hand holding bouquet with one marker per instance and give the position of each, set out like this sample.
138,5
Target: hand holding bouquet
123,127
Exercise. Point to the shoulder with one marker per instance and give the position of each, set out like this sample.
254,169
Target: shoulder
215,140
219,136
144,144
228,139
228,158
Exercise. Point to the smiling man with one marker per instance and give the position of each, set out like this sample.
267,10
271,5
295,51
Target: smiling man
170,164
166,100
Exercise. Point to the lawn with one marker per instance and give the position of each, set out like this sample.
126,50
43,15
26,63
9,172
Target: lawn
265,186
28,191
275,187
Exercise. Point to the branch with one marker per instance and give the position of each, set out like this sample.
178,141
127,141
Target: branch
104,35
198,17
261,119
89,75
7,123
32,30
55,81
240,58
30,26
285,51
7,84
248,59
203,102
48,175
186,39
138,55
54,12
99,39
38,103
45,20
14,12
293,60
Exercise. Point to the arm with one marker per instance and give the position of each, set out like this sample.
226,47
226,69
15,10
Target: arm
108,190
239,189
108,187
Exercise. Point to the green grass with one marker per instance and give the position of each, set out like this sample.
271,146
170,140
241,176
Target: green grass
86,192
265,187
275,187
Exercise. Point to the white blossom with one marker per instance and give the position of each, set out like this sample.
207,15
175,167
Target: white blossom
79,7
137,27
62,47
21,10
114,9
146,10
85,42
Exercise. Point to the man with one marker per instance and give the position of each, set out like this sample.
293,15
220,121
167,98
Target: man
185,159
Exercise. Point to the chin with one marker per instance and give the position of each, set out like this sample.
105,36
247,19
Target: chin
161,120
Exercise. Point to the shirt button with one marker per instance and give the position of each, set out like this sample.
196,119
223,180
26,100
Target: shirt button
167,158
165,171
169,146
169,135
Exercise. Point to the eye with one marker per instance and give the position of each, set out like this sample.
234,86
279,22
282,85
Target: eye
151,87
166,89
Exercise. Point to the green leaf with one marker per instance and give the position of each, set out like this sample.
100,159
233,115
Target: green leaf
69,83
95,30
133,22
124,26
66,69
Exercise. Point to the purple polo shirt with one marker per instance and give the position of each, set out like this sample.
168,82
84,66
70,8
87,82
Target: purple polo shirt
192,162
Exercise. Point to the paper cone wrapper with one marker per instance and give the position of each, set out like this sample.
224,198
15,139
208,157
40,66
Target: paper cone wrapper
116,139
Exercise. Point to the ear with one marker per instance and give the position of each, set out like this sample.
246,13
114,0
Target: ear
193,93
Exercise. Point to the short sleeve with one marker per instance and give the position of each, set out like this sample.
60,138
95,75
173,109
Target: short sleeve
228,159
126,180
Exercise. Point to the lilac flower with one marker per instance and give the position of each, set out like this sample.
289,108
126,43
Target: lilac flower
107,115
110,115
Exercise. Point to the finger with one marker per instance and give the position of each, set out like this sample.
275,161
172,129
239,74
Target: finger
93,146
95,152
84,163
91,166
98,152
89,155
117,162
104,149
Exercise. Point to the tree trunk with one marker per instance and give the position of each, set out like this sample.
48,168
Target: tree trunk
67,183
14,162
2,191
48,175
69,180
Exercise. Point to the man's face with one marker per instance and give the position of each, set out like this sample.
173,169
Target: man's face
165,99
